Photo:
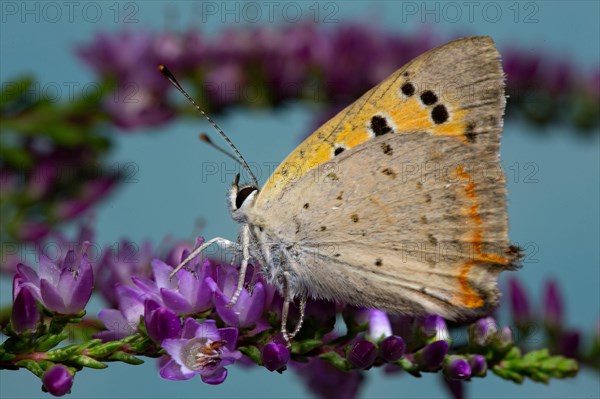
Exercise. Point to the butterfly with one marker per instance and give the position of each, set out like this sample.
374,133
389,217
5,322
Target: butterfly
396,203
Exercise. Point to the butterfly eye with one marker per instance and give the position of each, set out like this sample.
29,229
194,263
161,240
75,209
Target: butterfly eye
242,195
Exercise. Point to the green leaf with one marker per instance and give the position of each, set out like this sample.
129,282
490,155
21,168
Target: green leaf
302,347
86,361
336,360
409,367
12,91
508,374
62,354
252,352
47,342
104,349
32,366
125,358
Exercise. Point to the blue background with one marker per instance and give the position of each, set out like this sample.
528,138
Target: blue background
559,213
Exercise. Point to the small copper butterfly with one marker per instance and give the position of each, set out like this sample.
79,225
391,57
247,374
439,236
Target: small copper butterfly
397,203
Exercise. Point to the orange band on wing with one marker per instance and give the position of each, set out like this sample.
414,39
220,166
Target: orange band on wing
468,297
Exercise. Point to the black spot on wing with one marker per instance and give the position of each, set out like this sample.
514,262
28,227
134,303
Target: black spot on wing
428,97
387,149
439,114
338,151
378,262
379,125
470,134
408,89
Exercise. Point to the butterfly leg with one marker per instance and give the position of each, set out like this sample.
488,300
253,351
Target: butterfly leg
221,241
287,336
285,309
301,320
245,238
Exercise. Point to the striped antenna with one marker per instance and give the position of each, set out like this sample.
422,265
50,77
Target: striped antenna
175,83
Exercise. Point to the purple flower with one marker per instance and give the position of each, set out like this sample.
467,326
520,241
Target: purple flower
379,324
568,344
122,322
327,381
25,315
275,356
518,302
434,327
362,354
392,348
248,309
482,331
57,380
64,288
553,307
187,293
430,357
202,349
456,368
160,323
478,365
119,263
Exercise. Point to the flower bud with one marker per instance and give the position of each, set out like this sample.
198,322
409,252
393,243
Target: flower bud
57,380
456,368
362,354
392,348
275,356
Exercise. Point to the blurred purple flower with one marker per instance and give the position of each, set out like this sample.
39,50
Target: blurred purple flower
553,307
25,315
161,323
392,348
203,349
275,356
327,381
64,288
247,310
122,322
478,365
379,325
119,264
431,356
483,331
456,368
90,193
119,53
434,327
362,354
518,302
57,380
568,344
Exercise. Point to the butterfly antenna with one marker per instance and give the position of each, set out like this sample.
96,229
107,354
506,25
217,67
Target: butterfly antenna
204,137
171,78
